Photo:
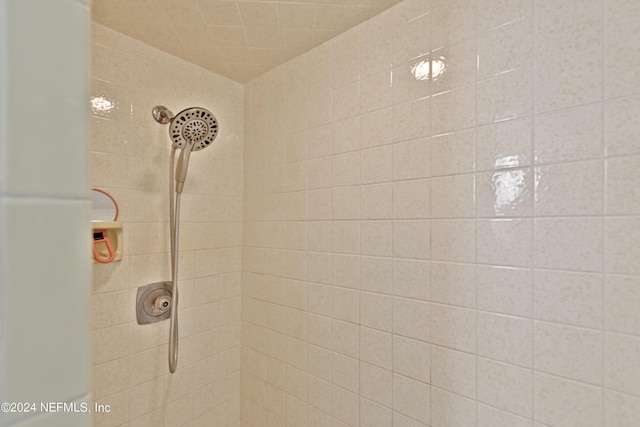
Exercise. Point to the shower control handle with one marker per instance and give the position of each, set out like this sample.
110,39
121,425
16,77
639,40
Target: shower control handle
162,303
153,302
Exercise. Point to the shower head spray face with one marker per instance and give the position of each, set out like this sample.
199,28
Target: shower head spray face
196,127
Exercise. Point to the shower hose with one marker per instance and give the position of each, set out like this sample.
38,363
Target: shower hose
174,225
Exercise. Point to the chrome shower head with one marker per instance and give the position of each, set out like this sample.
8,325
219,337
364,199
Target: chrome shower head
190,130
196,127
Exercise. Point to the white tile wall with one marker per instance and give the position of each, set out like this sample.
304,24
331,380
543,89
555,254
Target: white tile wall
130,159
471,239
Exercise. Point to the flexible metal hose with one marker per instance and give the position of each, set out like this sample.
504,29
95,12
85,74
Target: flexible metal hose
174,221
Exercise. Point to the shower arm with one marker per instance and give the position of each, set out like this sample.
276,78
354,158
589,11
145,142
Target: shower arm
162,114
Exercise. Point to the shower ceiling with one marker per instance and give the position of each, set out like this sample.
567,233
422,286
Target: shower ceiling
235,38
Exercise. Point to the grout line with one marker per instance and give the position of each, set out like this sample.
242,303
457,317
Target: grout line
533,204
475,204
604,208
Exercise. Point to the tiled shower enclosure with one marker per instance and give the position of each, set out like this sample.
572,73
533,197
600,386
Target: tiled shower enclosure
431,220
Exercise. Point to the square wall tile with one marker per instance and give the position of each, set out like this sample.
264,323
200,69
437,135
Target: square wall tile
453,240
345,372
345,304
453,110
408,82
489,416
454,371
568,243
558,401
571,298
569,135
346,169
506,96
505,242
623,179
504,144
376,201
460,60
505,338
376,311
505,386
452,410
570,189
376,384
346,202
376,128
568,351
505,193
457,20
506,47
411,239
345,135
622,296
375,165
621,245
412,199
375,92
411,120
411,278
410,39
495,13
621,131
567,55
346,237
411,159
453,283
411,318
621,47
505,290
376,348
453,196
319,172
376,238
453,153
374,415
377,274
453,327
411,358
620,373
411,397
621,409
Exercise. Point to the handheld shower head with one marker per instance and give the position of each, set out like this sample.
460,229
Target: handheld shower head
192,129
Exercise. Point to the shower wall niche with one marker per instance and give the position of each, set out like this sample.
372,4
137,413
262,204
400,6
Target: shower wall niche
130,159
